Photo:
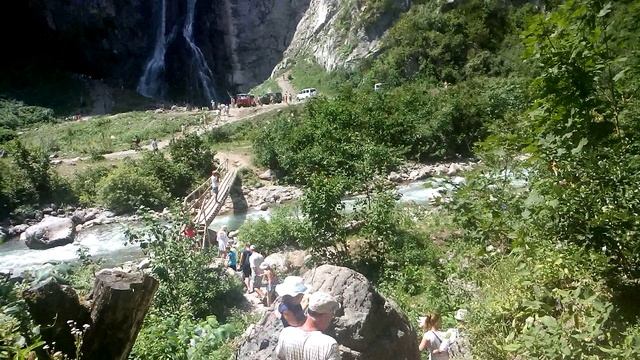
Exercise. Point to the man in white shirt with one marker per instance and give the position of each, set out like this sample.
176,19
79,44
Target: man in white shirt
307,342
255,260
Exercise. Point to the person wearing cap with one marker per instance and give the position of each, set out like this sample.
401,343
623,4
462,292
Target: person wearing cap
291,292
459,347
307,342
255,260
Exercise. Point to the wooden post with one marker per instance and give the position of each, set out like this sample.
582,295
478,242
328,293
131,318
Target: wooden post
120,303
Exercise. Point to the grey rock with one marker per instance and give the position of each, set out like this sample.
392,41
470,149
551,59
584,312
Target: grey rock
367,326
50,232
78,216
395,177
18,229
4,235
266,175
47,210
264,207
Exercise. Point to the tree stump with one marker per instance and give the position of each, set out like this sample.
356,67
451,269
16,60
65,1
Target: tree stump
120,303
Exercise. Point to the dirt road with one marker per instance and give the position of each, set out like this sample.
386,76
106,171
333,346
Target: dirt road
235,114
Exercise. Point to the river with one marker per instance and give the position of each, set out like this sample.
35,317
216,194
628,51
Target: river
109,242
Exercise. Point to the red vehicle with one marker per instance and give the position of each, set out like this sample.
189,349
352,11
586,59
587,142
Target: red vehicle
245,100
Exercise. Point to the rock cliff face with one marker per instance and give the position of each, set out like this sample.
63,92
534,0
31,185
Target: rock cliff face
257,33
339,33
189,50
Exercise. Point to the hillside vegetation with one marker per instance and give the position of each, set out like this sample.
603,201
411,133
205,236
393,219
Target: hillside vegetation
540,243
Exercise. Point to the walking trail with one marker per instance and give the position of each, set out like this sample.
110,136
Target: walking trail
285,85
235,114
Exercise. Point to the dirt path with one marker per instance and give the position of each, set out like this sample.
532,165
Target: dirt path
235,114
285,85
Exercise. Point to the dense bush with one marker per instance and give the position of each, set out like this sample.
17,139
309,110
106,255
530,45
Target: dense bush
85,184
14,114
27,180
284,230
192,152
359,134
127,188
18,335
173,176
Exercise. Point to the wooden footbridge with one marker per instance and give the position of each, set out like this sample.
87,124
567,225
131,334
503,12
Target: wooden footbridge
202,206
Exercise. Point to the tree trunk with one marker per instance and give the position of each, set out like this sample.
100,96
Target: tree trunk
120,303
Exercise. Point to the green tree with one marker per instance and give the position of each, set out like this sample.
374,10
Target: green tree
126,189
192,152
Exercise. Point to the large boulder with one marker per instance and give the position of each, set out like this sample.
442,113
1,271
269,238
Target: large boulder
288,262
50,232
368,326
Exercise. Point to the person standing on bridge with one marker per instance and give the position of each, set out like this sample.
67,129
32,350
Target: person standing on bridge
223,241
215,183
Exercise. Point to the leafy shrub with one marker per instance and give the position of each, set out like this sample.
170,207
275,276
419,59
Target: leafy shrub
127,188
187,281
14,114
192,152
18,335
284,230
184,338
174,177
86,183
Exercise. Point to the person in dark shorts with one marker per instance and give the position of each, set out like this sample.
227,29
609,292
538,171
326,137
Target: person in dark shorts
245,266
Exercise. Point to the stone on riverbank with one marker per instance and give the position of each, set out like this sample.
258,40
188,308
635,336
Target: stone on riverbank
52,231
368,326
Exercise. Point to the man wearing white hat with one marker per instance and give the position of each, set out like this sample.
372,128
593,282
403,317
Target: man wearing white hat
307,342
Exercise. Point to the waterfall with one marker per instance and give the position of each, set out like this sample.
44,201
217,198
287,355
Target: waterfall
204,72
150,84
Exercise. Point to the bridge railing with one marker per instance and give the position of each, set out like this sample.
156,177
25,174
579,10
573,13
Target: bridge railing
197,197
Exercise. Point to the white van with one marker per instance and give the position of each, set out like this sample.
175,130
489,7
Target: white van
306,93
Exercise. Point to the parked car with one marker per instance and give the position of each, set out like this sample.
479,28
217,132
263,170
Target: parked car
306,93
265,99
245,100
276,98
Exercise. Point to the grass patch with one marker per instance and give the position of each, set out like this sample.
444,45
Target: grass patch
268,86
105,134
308,74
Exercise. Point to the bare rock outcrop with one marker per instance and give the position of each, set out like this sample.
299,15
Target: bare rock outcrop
368,326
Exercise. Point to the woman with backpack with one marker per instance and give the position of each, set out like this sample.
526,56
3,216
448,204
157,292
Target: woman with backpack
432,340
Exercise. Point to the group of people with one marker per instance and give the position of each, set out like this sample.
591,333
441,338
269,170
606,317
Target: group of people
288,97
305,316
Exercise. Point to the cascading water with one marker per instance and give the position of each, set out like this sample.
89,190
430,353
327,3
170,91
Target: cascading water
204,72
150,84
